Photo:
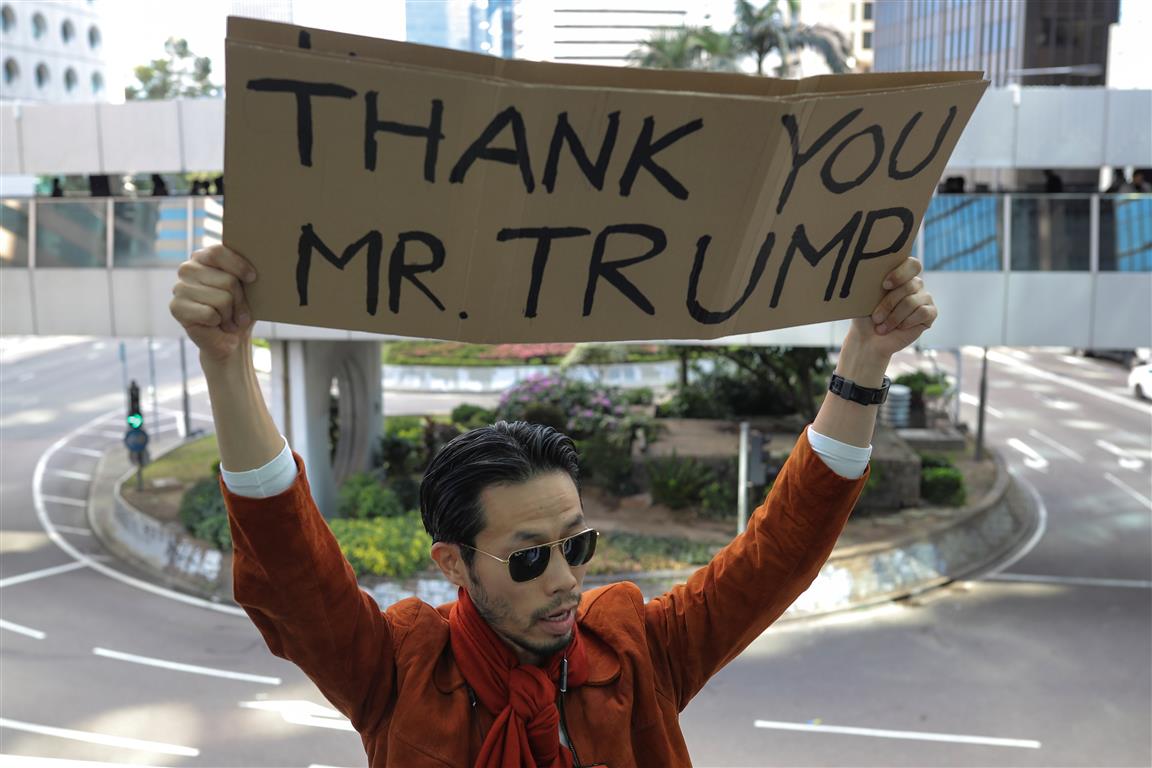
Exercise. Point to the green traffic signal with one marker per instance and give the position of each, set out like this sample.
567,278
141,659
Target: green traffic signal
135,420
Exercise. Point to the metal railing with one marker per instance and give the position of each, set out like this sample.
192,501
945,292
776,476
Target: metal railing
966,233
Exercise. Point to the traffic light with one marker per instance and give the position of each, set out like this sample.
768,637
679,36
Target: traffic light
135,414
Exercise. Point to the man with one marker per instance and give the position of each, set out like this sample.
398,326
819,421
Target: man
523,669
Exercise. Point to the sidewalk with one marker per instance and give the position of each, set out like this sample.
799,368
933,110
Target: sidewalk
878,559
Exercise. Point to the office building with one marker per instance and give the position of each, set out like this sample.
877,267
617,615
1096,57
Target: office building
1031,42
52,51
480,26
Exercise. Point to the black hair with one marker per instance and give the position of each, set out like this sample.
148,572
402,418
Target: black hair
505,453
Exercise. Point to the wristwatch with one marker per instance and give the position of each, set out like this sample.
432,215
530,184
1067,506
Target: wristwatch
850,390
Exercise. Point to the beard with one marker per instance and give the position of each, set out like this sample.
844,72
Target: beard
498,614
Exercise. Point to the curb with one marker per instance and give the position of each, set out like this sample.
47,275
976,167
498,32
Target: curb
163,551
854,577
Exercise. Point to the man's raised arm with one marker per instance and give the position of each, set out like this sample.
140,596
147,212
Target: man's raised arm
289,574
698,627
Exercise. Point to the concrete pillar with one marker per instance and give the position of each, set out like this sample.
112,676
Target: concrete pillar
302,379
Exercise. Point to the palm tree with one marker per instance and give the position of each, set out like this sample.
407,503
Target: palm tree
688,48
760,31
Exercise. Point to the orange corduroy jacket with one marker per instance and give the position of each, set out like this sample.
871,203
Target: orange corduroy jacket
392,672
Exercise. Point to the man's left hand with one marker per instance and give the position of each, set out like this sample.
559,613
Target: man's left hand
905,312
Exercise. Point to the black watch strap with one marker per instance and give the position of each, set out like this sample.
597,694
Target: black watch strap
850,390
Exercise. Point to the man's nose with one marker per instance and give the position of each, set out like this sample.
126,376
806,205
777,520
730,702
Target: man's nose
558,575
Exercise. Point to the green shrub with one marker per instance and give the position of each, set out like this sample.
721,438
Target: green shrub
922,382
678,483
934,461
215,530
363,496
606,461
407,490
389,546
203,500
942,486
471,416
398,455
637,396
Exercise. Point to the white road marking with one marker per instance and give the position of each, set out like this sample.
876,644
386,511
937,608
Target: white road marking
93,562
1041,526
1074,360
20,629
1032,460
179,667
973,400
13,580
1060,405
24,761
73,530
84,452
953,738
300,712
1058,446
1075,581
100,738
70,502
1130,491
1127,402
109,434
71,475
1127,460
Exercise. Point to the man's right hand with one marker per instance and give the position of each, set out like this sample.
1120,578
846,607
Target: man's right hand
209,301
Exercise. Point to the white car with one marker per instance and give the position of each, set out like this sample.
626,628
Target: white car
1140,381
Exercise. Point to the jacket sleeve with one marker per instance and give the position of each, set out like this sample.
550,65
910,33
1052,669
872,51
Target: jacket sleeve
698,627
294,583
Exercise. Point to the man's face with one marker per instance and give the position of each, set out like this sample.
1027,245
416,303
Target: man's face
543,509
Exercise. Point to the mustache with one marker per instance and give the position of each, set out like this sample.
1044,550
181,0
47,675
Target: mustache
562,604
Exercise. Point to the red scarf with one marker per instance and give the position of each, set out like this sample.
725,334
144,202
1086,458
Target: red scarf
526,733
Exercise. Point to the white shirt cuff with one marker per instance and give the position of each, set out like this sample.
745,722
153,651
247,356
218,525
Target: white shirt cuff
272,479
848,461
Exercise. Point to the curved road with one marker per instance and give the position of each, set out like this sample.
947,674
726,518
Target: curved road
1046,663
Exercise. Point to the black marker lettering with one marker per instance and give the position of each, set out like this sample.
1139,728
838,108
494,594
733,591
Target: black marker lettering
593,172
895,172
431,134
859,255
701,315
610,270
800,158
304,93
399,270
840,187
481,151
802,245
645,149
310,241
544,237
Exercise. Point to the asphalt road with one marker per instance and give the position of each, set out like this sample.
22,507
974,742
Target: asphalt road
1047,663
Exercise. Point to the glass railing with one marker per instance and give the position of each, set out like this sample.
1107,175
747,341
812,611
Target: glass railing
967,233
1038,233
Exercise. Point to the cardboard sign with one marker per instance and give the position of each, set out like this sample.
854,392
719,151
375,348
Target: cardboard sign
409,190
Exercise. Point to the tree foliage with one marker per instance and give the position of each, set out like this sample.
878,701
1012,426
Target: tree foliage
181,74
760,31
688,48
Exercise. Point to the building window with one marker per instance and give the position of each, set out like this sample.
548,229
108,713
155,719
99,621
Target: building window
42,75
97,82
11,71
8,16
67,31
867,10
39,26
93,37
866,41
70,79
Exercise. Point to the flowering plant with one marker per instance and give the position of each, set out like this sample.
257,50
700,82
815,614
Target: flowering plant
586,409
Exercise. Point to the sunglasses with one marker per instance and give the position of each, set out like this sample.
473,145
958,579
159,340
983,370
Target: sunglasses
531,562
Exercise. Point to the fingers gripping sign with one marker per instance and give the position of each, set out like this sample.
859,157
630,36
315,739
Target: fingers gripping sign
209,300
903,314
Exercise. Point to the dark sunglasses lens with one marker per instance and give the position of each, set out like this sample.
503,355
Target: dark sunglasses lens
527,564
578,550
